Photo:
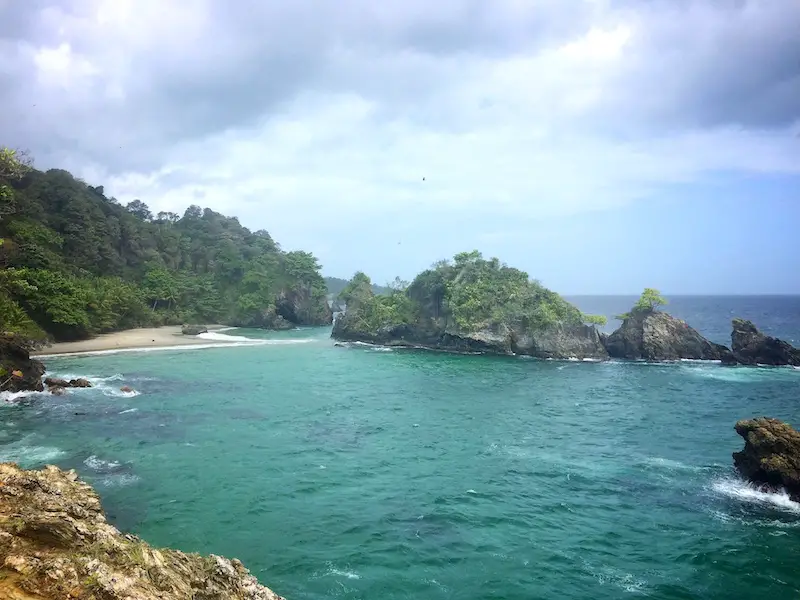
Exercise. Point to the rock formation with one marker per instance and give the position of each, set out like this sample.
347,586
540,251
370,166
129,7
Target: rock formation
194,329
657,336
556,341
55,544
303,306
771,454
18,371
55,382
752,347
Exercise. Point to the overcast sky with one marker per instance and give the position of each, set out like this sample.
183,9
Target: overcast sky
601,145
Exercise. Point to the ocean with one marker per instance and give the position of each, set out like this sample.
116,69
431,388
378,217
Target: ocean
370,473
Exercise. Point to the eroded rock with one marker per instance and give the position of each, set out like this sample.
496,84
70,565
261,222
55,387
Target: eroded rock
751,347
771,454
55,543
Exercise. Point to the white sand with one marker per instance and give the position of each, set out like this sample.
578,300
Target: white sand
151,337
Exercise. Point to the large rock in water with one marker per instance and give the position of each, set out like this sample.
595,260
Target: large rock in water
752,347
771,454
18,371
657,336
557,341
55,543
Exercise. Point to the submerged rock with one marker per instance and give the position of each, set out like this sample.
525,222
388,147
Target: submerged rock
18,371
752,347
55,543
658,336
55,382
194,329
771,454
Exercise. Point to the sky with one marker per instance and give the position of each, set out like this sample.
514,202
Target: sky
600,145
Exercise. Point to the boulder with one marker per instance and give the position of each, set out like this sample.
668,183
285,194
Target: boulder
55,382
18,371
658,336
771,455
55,542
127,389
193,329
752,347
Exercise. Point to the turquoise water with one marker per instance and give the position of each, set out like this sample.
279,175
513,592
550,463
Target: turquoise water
365,473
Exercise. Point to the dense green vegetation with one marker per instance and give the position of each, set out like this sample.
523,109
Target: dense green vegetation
650,301
469,292
74,262
335,285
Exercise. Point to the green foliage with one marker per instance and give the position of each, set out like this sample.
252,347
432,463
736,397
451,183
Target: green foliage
335,285
75,263
599,320
650,301
469,292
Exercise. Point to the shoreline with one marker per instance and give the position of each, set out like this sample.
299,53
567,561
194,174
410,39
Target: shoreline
168,336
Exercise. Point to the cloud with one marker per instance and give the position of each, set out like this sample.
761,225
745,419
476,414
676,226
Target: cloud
294,116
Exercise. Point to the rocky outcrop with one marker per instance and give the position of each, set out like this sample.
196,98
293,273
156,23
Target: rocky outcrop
194,329
55,382
55,543
751,347
304,306
771,454
18,371
562,342
657,336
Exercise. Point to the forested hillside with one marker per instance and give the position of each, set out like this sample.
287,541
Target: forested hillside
74,262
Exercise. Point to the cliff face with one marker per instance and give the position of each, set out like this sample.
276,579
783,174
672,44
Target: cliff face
55,544
752,347
18,371
303,306
657,336
556,341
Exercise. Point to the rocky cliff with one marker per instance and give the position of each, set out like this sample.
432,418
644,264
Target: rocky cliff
55,544
752,347
657,336
554,341
771,454
303,305
18,371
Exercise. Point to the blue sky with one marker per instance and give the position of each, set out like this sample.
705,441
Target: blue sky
601,145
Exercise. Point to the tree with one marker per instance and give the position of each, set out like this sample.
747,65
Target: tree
13,167
140,209
650,301
599,320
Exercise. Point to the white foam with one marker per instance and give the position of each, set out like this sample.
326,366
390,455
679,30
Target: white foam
121,480
12,397
158,349
98,464
26,455
224,337
130,410
747,492
341,573
382,349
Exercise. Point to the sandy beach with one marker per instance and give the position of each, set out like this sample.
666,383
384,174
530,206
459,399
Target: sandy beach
149,337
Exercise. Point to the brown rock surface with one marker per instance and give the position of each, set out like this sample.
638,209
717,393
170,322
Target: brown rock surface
771,454
55,543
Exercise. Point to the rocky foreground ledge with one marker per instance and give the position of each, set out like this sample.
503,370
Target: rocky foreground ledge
771,455
55,543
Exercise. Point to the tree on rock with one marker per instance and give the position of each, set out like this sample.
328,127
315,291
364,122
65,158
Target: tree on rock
650,301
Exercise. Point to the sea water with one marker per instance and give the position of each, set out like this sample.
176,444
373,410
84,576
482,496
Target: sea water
357,472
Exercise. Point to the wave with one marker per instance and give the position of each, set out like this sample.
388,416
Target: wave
130,410
29,455
100,465
12,397
742,490
224,337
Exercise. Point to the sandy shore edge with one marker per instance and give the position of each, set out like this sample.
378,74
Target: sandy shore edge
131,339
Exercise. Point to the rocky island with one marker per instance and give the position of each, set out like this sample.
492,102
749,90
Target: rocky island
55,543
471,304
771,455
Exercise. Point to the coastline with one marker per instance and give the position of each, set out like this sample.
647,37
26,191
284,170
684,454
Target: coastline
167,336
